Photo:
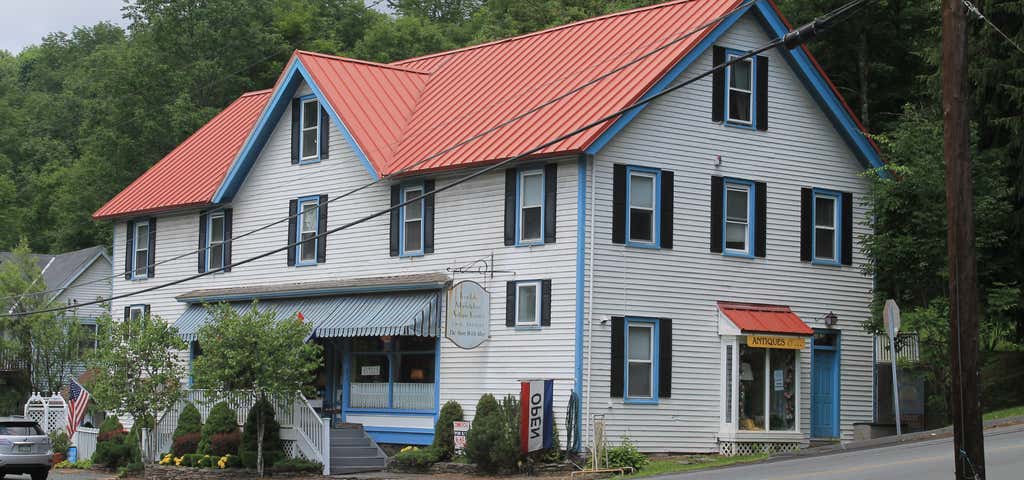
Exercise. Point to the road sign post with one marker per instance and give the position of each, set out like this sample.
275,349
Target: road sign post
891,316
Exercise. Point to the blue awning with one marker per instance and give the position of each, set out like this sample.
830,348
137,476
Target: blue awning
406,313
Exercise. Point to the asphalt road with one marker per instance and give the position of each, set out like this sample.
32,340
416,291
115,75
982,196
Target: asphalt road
927,460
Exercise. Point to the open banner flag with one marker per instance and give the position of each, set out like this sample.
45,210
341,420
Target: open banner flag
536,416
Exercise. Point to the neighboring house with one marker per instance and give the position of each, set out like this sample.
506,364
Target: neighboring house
676,267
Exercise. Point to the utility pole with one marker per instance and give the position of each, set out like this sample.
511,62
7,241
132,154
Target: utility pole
968,440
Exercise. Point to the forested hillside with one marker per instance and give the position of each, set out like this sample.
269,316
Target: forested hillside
85,112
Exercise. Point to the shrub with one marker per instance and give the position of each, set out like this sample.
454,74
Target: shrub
416,459
111,424
225,443
186,443
115,447
222,419
60,442
131,470
207,461
626,455
444,442
191,459
490,444
190,421
297,465
486,406
272,449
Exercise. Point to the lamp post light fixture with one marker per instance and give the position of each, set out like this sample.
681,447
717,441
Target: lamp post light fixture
831,319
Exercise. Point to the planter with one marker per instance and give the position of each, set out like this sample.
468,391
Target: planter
57,458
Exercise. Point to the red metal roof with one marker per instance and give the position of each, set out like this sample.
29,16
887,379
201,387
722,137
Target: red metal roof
191,173
760,318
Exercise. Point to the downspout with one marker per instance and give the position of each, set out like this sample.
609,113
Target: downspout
590,292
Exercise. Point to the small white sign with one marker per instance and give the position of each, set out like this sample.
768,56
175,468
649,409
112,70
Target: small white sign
779,383
370,370
461,430
468,317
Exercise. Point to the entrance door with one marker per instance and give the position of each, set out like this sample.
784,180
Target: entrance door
825,386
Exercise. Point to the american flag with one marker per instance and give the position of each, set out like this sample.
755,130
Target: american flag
78,400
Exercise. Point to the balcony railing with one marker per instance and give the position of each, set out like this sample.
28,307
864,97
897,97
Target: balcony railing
906,348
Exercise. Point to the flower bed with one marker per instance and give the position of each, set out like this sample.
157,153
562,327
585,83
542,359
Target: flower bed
166,472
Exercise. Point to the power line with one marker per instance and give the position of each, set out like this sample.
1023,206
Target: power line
817,26
457,145
974,9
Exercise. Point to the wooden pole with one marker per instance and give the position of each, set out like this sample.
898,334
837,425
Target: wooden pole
968,440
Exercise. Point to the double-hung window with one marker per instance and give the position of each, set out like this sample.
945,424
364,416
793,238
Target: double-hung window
642,200
136,312
528,304
531,207
215,247
738,217
641,367
140,256
826,227
310,130
308,225
412,221
740,96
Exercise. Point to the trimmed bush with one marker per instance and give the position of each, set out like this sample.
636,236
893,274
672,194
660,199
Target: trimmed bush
272,449
444,444
185,443
414,459
486,406
190,421
489,443
114,446
191,459
297,465
225,443
222,419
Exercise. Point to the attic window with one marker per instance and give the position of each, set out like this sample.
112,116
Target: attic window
310,130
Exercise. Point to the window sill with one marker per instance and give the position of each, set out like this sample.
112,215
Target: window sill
532,243
744,126
737,254
309,161
649,246
309,264
640,401
827,263
742,435
411,255
388,411
527,328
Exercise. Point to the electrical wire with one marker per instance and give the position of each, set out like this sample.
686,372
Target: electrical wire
974,9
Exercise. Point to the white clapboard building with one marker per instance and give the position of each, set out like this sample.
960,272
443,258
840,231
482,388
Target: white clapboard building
689,269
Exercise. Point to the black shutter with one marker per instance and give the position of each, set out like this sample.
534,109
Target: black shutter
545,303
806,224
718,85
227,239
619,204
550,201
293,223
321,228
325,134
762,92
847,228
510,304
428,217
665,357
128,241
151,261
396,218
668,198
203,224
717,191
296,129
145,310
760,219
618,356
127,312
510,206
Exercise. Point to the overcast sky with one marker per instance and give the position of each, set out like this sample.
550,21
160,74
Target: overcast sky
26,22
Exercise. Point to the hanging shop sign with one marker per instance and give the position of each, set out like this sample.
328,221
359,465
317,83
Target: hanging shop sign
460,430
536,415
773,341
468,318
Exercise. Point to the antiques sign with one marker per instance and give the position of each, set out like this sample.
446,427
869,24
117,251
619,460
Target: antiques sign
770,341
468,318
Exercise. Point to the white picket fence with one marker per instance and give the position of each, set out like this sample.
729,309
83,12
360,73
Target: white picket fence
85,441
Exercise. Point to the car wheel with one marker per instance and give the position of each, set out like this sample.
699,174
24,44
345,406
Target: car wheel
40,475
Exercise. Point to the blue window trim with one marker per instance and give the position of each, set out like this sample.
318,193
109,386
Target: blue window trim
135,243
653,322
298,231
730,52
519,205
836,402
539,304
837,248
209,237
348,354
401,221
656,220
750,217
303,100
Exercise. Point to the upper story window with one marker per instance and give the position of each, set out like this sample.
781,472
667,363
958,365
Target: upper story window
530,202
740,89
826,226
215,241
307,220
216,247
528,303
308,223
135,312
412,224
826,230
310,130
412,221
139,259
738,211
738,216
642,206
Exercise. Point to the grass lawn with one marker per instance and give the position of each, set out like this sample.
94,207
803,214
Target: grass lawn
1004,413
659,466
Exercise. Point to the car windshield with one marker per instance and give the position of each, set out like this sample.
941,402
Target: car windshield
20,428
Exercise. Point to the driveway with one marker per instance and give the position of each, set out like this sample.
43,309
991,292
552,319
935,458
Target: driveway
69,474
926,460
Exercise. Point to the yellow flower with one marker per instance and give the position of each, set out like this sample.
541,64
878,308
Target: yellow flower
177,461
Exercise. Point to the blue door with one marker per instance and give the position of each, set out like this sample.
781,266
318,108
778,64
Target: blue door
825,386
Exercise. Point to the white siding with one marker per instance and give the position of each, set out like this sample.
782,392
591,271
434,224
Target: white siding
800,149
92,284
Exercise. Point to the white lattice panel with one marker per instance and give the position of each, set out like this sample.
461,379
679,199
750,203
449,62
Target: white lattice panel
733,449
51,413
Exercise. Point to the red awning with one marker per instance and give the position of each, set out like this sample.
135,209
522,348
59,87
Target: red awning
760,318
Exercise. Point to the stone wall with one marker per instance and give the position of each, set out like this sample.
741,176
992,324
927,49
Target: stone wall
163,472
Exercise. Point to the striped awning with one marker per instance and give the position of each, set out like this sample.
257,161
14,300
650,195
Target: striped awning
408,313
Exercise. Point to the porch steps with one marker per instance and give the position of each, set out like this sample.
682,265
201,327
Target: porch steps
353,451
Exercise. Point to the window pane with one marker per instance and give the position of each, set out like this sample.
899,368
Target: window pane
824,212
728,383
782,399
751,401
368,344
526,300
640,343
530,229
308,246
735,236
414,210
142,237
141,262
413,240
416,368
309,217
216,256
739,75
641,191
310,117
739,106
416,344
216,229
532,189
641,225
309,143
736,204
369,384
824,243
639,380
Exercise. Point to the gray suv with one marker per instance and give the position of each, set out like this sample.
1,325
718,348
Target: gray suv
24,448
